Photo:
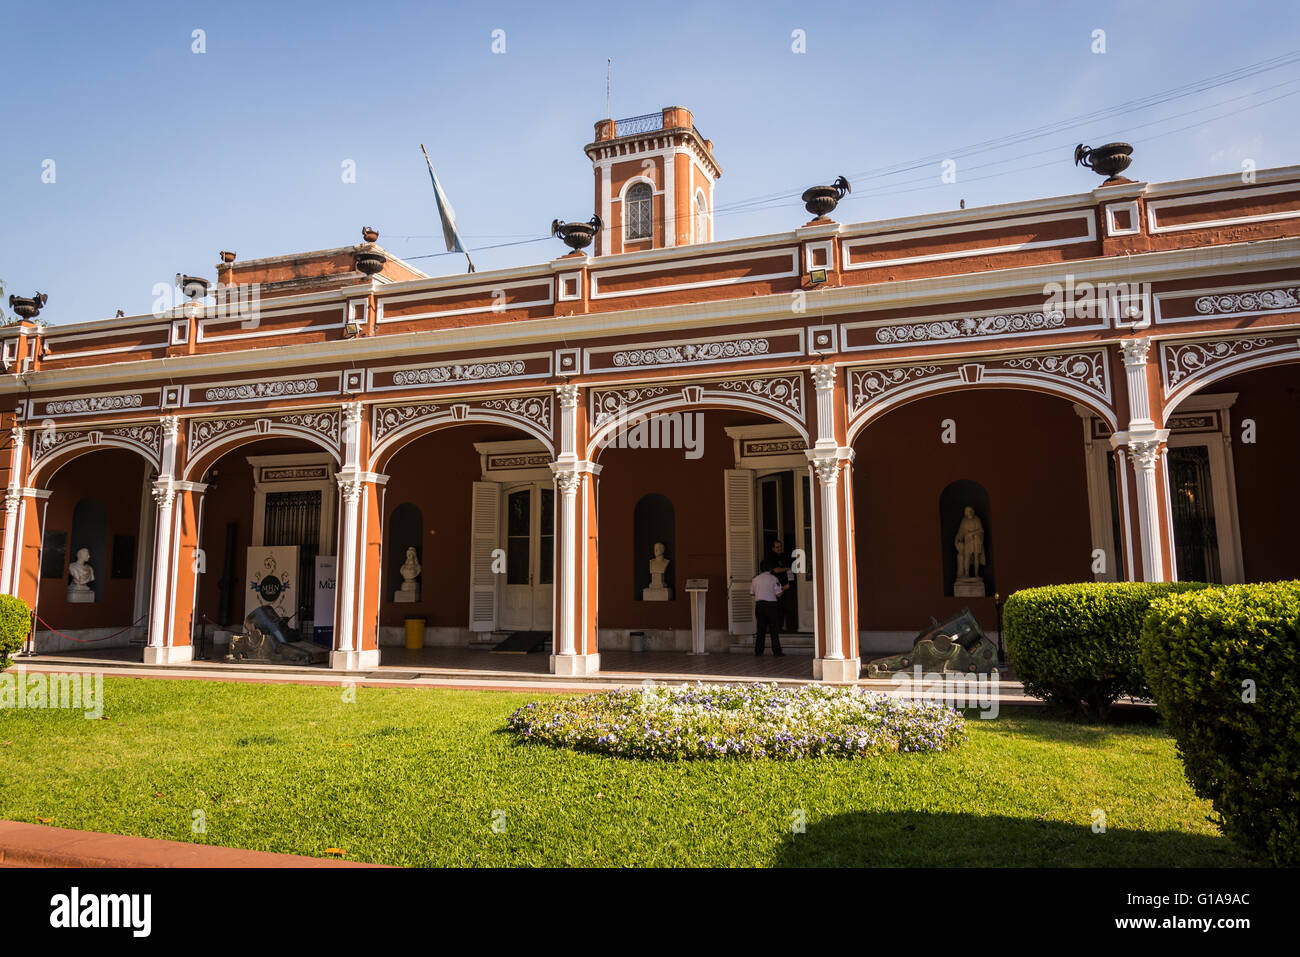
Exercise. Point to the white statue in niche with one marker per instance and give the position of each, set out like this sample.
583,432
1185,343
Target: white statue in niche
410,590
82,575
658,591
970,556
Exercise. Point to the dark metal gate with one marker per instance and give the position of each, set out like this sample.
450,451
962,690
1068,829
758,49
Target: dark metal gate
293,518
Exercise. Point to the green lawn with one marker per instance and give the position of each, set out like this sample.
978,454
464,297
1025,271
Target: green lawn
415,776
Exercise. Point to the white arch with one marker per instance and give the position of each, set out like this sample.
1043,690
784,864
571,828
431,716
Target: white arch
1284,354
61,456
679,403
991,379
413,430
250,433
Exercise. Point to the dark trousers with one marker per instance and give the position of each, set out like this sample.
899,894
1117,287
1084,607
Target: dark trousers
768,614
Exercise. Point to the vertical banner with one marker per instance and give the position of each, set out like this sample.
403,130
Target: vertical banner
323,621
273,580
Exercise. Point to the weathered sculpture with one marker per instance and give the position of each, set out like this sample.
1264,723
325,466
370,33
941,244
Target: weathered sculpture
82,575
957,645
267,638
657,591
970,556
410,571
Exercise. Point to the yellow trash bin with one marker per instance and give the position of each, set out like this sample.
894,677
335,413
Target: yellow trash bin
415,633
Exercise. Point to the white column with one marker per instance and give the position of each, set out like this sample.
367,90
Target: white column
159,650
13,497
344,654
1144,453
570,472
567,482
1143,440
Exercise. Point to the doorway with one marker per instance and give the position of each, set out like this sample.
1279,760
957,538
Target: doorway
529,527
784,514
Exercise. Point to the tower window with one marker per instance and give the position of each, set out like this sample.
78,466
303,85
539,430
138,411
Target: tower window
701,219
638,212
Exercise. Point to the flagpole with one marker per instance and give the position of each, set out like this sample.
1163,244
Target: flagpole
452,235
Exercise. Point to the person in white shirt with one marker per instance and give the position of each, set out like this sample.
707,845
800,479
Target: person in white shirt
767,590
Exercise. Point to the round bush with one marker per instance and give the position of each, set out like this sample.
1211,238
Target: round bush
15,624
1224,665
753,721
1076,646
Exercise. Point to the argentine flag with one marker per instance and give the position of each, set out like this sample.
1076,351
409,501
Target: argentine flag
455,244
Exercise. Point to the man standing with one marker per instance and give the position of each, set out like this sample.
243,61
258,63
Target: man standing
778,563
767,611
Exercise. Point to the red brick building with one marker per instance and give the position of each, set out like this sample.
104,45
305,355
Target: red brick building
1109,379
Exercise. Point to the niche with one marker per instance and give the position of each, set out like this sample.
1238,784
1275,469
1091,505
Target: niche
953,502
653,520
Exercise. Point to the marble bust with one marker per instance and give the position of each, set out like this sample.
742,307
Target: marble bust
82,575
410,571
657,591
970,556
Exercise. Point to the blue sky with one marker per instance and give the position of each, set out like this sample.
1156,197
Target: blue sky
163,156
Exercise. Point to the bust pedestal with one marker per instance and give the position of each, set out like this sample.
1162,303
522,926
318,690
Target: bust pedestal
968,588
78,594
410,592
656,594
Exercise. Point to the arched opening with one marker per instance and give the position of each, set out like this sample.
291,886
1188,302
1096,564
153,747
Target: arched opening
966,540
270,509
1014,456
1231,463
98,517
476,502
727,481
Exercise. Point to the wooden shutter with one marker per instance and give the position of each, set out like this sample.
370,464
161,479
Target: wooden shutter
485,516
738,488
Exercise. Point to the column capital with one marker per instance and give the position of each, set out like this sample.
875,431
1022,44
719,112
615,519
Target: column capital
171,426
823,377
568,395
1135,350
164,492
16,434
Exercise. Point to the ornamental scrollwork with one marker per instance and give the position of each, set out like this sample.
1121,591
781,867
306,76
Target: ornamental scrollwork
1263,299
469,371
262,390
1085,368
783,390
608,404
94,403
692,352
389,418
531,407
872,383
1184,359
971,326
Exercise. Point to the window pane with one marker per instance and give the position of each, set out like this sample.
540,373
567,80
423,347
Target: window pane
517,513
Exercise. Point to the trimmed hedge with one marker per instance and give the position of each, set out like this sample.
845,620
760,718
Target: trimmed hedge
1076,646
1225,668
15,623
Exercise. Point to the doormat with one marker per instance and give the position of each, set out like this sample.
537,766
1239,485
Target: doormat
522,643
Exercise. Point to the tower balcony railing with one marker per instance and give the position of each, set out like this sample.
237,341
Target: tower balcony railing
635,125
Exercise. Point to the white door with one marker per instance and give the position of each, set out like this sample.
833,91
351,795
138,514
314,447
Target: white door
528,527
738,488
804,540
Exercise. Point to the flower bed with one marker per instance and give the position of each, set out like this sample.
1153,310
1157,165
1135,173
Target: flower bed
754,721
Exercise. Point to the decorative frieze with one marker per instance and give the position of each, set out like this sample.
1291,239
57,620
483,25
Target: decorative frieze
262,390
971,327
535,410
1259,301
456,372
1082,373
692,352
145,437
94,403
784,392
324,422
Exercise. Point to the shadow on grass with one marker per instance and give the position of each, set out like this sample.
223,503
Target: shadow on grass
1056,725
929,839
